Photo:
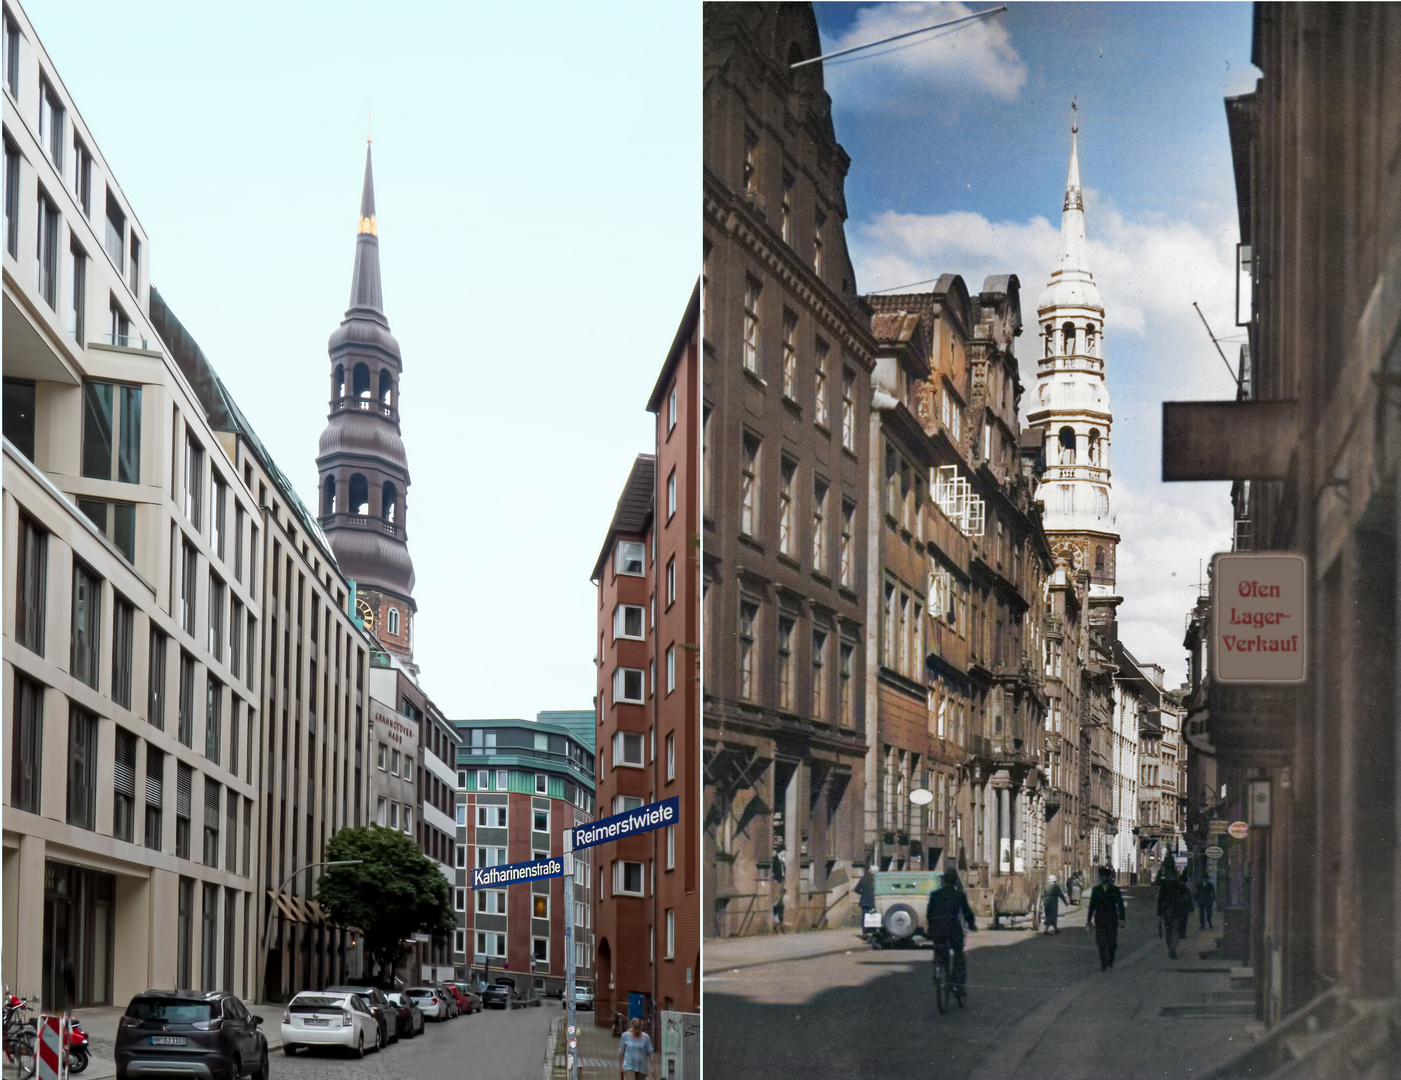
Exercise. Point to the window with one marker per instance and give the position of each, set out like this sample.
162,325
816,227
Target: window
848,553
671,847
77,291
849,410
670,668
394,620
46,252
541,822
631,554
785,210
123,628
393,815
820,365
491,817
888,632
671,756
540,950
752,289
785,664
671,495
786,538
394,762
501,776
819,526
85,658
31,584
218,492
624,803
819,224
671,581
627,621
540,906
706,471
26,758
155,680
491,856
114,520
209,936
82,175
184,932
212,806
491,901
670,933
748,617
542,784
116,231
194,478
11,55
235,638
459,899
189,568
134,273
383,756
382,811
627,878
19,415
119,324
483,744
749,486
51,123
11,198
186,707
627,686
671,410
408,819
627,749
82,768
751,150
492,945
213,718
790,354
819,674
217,593
155,783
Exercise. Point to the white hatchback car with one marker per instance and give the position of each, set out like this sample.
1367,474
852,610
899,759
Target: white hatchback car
429,1001
329,1019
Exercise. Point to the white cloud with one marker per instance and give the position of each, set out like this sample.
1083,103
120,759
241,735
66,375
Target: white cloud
977,55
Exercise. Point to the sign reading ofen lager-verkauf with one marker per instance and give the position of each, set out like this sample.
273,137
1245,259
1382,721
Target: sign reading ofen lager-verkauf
1259,618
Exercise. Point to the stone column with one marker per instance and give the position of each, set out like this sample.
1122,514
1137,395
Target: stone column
1004,829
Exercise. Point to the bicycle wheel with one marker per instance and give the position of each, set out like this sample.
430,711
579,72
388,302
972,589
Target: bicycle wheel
941,984
22,1049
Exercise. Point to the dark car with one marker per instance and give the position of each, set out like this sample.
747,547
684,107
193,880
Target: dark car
385,1014
194,1033
408,1012
501,994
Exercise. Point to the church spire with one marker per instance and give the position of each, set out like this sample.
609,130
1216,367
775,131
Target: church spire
1072,280
365,295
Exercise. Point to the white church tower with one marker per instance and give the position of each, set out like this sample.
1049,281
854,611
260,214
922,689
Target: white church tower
1071,404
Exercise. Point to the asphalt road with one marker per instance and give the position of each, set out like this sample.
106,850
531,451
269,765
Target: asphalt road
492,1045
1038,1007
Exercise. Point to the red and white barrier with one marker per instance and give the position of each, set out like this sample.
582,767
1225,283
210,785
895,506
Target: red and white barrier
50,1048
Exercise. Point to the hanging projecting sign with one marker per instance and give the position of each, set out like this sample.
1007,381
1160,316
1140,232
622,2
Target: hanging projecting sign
1214,852
1239,830
1259,627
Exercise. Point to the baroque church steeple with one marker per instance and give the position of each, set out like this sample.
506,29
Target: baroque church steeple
1071,403
364,472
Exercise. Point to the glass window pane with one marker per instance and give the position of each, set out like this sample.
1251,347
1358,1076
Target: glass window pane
97,430
124,529
129,463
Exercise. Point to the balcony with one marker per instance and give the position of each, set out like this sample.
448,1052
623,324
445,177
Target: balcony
369,405
360,521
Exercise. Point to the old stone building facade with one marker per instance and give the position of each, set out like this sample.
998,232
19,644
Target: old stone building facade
787,361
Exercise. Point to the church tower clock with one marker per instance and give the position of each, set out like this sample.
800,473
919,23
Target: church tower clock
1071,404
364,472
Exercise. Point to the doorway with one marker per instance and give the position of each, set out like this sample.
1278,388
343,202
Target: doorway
79,916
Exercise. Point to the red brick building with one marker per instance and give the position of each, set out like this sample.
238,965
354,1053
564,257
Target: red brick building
647,901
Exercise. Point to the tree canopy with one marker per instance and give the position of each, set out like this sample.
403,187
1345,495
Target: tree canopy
395,892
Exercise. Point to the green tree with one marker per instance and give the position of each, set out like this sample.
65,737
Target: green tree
393,893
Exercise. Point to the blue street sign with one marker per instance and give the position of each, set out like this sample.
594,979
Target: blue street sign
655,815
494,877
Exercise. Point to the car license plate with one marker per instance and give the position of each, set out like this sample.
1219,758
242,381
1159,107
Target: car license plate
316,1023
167,1040
870,919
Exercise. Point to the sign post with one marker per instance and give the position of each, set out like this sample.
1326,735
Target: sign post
571,1044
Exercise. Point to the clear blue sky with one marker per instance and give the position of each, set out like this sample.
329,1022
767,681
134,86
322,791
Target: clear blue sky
536,173
959,150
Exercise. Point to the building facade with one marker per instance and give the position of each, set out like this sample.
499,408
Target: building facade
788,358
362,467
520,784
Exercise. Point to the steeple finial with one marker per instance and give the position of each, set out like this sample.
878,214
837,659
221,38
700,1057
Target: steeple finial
365,286
1073,199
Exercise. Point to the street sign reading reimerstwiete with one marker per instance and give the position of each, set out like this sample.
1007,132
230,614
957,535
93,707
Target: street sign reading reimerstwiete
1259,626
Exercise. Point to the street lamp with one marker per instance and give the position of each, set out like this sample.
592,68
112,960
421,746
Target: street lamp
267,927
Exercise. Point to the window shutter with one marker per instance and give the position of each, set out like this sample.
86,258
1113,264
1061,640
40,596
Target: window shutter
124,768
231,858
212,792
155,776
183,783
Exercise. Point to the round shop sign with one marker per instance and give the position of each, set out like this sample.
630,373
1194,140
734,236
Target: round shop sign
1239,829
1214,852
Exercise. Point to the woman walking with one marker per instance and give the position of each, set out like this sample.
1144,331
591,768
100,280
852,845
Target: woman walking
1052,896
635,1052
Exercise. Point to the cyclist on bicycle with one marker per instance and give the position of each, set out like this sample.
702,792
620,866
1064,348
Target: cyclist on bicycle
948,910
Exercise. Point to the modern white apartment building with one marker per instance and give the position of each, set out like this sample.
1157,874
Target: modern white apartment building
133,612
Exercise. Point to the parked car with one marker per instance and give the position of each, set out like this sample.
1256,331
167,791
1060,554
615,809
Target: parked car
502,994
408,1008
466,1002
430,1002
383,1012
473,998
583,998
447,995
206,1034
327,1019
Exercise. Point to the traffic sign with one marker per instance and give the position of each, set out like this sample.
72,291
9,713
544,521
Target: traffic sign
488,877
655,815
1239,829
1214,852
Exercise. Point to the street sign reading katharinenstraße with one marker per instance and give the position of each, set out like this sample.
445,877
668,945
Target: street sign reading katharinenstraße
655,815
493,877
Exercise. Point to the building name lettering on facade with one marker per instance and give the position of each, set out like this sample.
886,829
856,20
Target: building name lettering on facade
398,729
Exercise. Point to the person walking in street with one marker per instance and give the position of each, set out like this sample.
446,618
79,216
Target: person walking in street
1052,896
1206,900
1105,915
1174,906
635,1052
866,893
